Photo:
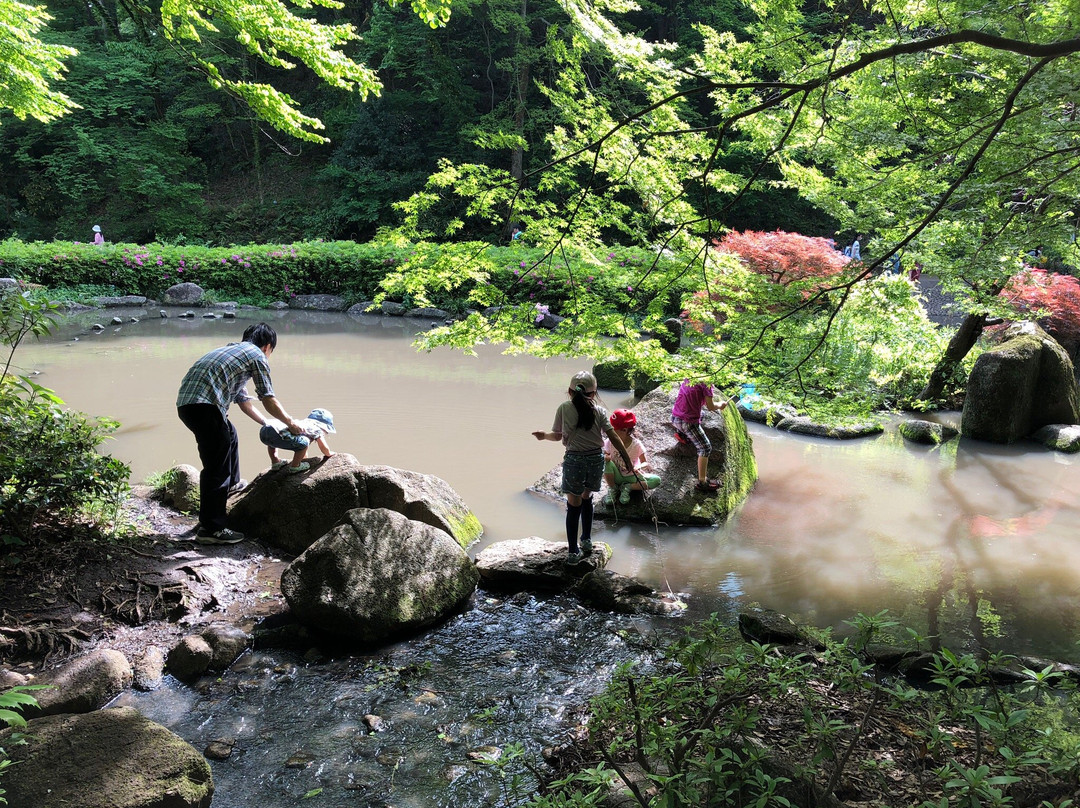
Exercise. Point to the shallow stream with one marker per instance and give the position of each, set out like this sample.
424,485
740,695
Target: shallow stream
974,542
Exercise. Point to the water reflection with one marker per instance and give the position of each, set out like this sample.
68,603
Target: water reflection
975,541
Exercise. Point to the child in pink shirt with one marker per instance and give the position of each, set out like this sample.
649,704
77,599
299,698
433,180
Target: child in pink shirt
686,418
620,478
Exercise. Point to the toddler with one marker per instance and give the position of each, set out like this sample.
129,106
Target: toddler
277,436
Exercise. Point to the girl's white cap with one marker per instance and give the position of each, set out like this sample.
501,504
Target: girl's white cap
583,382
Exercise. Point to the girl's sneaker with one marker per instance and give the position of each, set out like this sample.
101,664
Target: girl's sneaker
708,486
586,547
572,559
297,469
609,497
624,496
279,464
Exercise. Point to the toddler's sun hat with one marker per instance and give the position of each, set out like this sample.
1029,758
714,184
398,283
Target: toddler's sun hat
324,417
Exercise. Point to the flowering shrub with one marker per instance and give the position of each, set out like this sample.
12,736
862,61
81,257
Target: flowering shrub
1054,299
794,266
785,258
453,276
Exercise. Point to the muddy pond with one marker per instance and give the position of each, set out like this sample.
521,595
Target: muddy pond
975,542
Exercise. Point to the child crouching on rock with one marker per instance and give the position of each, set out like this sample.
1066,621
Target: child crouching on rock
277,436
620,479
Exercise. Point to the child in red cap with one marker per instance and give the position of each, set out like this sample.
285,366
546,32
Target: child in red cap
620,479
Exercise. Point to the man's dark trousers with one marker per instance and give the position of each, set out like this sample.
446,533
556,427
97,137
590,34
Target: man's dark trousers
220,455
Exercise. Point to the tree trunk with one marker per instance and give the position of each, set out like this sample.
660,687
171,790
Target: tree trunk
517,159
963,341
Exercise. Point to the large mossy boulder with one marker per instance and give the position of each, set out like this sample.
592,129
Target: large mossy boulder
677,501
1025,383
290,511
106,759
613,374
378,575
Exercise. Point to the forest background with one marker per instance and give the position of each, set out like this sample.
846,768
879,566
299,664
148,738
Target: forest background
154,152
944,133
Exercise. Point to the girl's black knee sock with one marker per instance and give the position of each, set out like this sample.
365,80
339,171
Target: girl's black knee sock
586,519
573,514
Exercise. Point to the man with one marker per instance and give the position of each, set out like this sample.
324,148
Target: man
214,382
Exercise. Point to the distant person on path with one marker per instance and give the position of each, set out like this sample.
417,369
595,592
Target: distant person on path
855,250
581,425
915,272
895,265
215,381
275,435
621,479
686,418
98,237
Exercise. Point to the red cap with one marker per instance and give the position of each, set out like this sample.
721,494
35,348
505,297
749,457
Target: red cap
623,419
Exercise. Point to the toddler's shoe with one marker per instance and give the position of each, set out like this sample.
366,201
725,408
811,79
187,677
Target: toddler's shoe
624,496
297,469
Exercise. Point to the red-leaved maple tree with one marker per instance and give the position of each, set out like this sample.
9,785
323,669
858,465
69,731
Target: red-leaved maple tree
782,258
1056,297
785,257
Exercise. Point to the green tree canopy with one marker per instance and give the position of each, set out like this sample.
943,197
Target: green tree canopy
280,35
909,122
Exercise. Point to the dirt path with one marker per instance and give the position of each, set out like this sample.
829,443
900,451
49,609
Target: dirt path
59,598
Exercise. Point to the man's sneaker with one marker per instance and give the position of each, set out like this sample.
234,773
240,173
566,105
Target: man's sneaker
708,486
586,547
223,536
624,495
573,558
238,486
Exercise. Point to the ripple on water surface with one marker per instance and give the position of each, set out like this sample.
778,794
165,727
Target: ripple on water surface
503,672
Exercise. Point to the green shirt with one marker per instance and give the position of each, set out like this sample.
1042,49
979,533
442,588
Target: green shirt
577,440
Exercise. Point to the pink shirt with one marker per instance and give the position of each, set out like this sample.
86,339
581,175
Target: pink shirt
635,450
98,238
690,400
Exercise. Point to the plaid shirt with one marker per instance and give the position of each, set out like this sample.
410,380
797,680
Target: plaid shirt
220,377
